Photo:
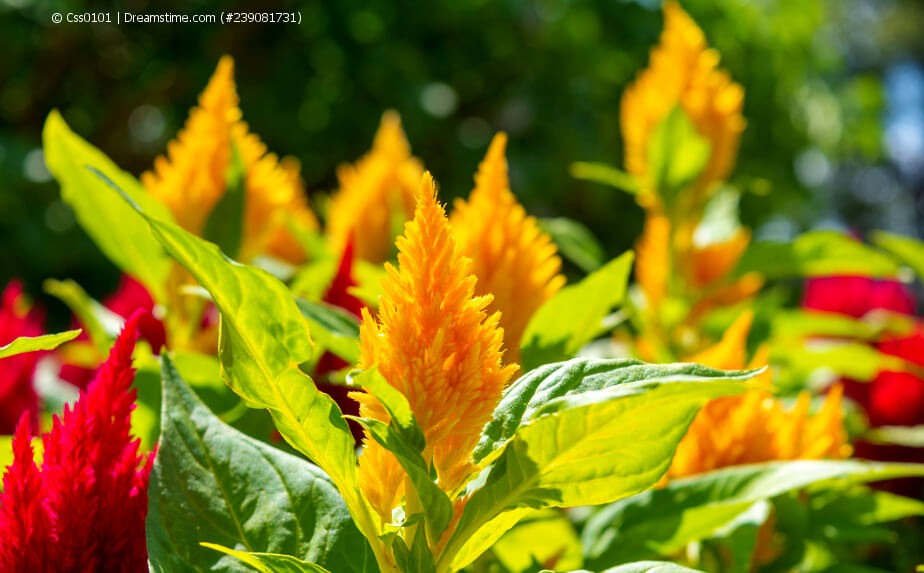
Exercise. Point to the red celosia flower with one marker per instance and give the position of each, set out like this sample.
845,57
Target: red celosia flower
128,297
16,392
85,510
897,398
855,296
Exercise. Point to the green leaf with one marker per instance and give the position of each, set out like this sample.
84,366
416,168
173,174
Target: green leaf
585,449
808,323
676,154
911,436
546,536
332,329
908,250
849,359
815,253
852,515
403,437
270,562
659,522
25,344
395,403
212,483
574,316
113,225
523,399
435,503
225,225
102,324
739,537
263,338
575,241
417,559
606,175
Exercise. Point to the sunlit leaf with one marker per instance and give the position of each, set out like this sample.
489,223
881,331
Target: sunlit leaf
586,448
523,400
114,226
25,344
270,562
102,324
574,316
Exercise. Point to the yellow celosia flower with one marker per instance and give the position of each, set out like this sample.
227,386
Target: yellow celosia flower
435,343
513,259
754,427
376,194
683,70
191,179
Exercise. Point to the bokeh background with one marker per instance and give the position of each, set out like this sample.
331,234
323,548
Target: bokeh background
834,103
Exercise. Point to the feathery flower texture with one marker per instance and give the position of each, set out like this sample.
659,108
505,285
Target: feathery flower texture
191,179
17,395
433,341
513,259
85,509
754,427
683,70
376,194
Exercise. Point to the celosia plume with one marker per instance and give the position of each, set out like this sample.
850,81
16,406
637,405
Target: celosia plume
683,71
435,343
754,427
192,178
376,194
513,259
17,394
85,510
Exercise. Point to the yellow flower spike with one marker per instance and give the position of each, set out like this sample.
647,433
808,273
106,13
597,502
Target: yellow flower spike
754,427
191,178
683,70
376,194
513,259
433,341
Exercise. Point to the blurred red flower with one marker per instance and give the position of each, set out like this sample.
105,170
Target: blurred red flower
855,296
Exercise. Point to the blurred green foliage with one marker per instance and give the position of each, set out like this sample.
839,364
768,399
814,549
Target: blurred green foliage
550,73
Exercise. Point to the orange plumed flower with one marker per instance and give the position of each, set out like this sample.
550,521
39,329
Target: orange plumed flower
683,70
192,177
513,259
754,427
434,342
376,194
